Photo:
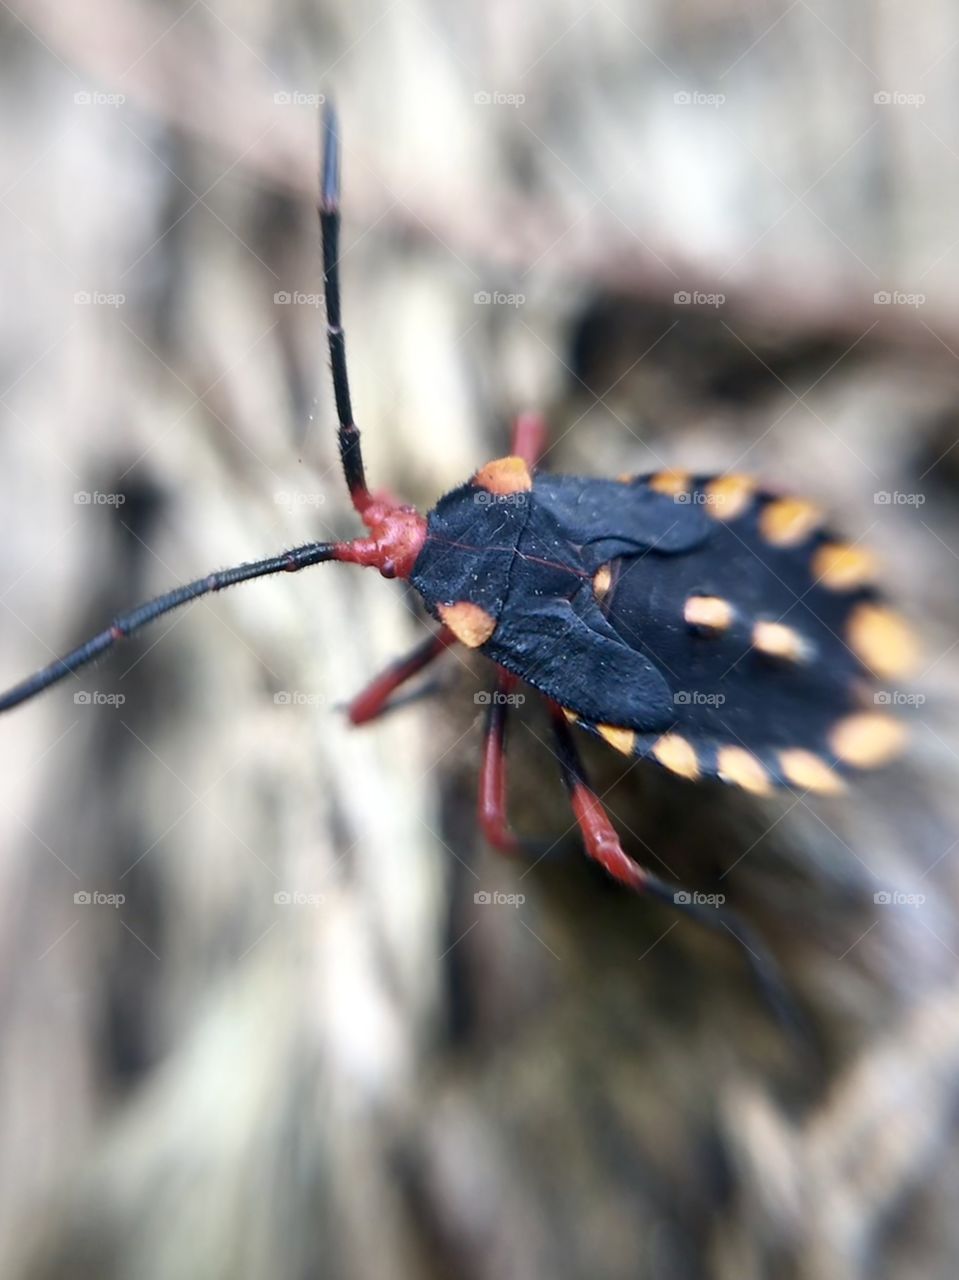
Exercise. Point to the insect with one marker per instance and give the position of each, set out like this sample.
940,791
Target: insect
717,629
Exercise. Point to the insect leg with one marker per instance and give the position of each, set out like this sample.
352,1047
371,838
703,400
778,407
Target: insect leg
599,835
374,700
491,805
529,437
602,843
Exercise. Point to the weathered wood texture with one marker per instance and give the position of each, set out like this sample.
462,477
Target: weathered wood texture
395,1080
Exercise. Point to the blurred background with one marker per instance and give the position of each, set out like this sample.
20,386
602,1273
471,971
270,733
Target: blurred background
254,1020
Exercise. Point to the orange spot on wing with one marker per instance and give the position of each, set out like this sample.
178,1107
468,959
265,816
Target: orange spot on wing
841,567
776,640
786,522
742,769
868,739
882,640
669,482
471,624
728,496
711,612
677,755
622,739
809,772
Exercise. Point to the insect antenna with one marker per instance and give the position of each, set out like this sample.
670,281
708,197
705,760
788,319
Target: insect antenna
351,453
126,624
398,531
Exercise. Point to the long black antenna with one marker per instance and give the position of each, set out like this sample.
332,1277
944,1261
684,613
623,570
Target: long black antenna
125,624
351,454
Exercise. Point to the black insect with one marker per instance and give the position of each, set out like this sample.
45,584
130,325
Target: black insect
716,628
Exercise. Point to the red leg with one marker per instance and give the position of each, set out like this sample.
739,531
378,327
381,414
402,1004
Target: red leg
492,787
529,438
599,835
602,844
374,699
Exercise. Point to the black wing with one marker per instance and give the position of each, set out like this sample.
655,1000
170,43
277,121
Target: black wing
770,637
